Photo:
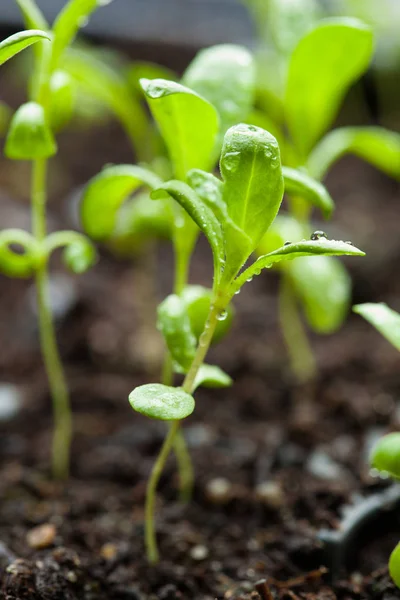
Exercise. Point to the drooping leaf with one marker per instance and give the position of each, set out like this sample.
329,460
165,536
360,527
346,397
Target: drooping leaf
316,247
225,76
174,323
19,41
33,16
188,123
376,145
383,318
105,193
79,253
19,253
106,85
201,214
197,299
70,19
324,64
62,99
323,286
29,136
211,376
385,455
300,184
253,186
162,402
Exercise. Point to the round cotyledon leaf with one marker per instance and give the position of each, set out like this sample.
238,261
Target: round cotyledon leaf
385,455
162,402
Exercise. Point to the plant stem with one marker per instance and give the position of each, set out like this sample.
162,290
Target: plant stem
61,410
202,349
301,355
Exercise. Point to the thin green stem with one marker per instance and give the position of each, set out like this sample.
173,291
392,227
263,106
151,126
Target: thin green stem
202,349
182,260
301,355
61,409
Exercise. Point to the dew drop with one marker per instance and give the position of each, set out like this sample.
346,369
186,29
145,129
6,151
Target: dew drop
237,292
287,243
83,21
317,235
249,279
222,315
103,2
350,243
230,161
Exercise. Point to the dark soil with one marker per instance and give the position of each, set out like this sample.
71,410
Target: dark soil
309,443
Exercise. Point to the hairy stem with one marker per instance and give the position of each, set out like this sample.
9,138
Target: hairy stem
202,349
61,409
301,355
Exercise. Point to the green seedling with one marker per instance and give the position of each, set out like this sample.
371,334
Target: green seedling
31,137
305,68
234,214
385,456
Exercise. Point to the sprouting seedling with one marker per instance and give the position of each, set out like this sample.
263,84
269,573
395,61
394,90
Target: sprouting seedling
303,77
234,214
31,137
192,119
385,456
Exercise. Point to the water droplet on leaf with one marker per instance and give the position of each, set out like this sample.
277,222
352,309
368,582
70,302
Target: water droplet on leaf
222,315
317,235
287,243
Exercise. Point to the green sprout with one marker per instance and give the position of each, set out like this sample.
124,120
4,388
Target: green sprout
31,137
234,214
306,65
385,456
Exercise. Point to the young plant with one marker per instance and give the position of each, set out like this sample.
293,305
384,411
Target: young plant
31,138
234,214
385,456
305,70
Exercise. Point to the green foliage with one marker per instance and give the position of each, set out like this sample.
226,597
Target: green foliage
211,376
324,64
19,41
29,135
62,99
174,323
394,565
197,299
385,455
298,183
383,318
162,402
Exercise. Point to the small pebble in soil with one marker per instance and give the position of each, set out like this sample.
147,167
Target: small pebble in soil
199,552
10,401
321,465
109,551
219,490
270,494
41,536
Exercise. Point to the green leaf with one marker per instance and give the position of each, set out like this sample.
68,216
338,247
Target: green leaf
289,21
70,19
161,402
317,247
19,253
141,69
105,193
19,41
300,184
33,16
211,376
174,323
201,214
285,228
253,185
376,145
62,99
29,135
106,85
323,286
323,65
188,124
79,253
383,318
385,455
394,565
197,300
225,76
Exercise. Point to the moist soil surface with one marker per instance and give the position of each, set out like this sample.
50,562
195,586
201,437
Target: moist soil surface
275,462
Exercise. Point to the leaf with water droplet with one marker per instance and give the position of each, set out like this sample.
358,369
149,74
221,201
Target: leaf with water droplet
162,402
319,234
383,318
197,299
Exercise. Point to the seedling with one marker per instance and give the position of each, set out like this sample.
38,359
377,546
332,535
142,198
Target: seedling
234,214
385,456
31,137
305,68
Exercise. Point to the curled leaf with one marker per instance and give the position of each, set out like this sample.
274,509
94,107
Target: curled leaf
19,41
79,253
20,253
105,193
300,184
383,318
162,402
